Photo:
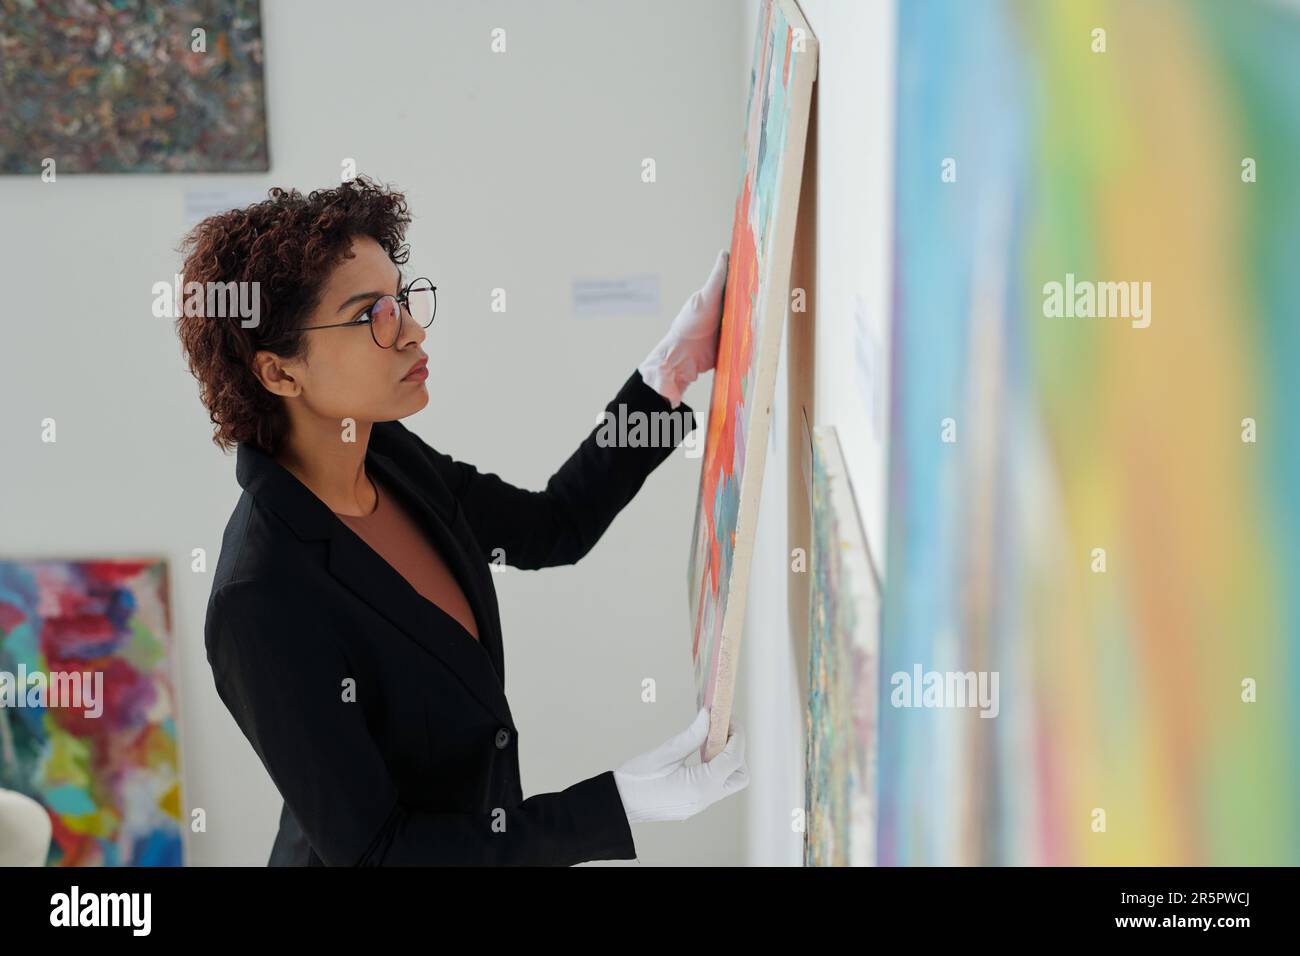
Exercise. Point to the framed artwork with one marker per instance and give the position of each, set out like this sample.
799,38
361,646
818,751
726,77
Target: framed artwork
173,86
88,707
840,726
754,307
1093,453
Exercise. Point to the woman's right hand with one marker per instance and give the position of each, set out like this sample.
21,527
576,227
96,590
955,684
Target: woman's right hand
658,785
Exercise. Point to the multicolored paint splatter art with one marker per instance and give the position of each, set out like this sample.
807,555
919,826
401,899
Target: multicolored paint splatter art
1101,510
785,63
108,774
843,655
115,87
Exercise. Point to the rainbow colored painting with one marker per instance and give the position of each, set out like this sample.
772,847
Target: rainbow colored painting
1094,450
843,657
754,306
101,751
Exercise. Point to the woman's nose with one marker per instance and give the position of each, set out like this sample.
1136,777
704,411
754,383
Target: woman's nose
412,331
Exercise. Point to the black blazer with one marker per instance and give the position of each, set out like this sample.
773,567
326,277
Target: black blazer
419,763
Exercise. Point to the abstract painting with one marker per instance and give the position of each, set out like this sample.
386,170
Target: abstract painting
843,656
754,307
1094,451
166,87
87,707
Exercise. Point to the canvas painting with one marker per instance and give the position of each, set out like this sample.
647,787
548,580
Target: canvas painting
88,707
754,307
1093,537
168,87
843,656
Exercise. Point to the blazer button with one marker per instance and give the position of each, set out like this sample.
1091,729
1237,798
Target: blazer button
503,738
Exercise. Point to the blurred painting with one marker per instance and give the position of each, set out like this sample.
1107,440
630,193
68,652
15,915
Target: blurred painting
90,86
1091,621
88,708
753,312
843,657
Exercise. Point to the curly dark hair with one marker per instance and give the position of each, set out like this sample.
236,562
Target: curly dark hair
288,244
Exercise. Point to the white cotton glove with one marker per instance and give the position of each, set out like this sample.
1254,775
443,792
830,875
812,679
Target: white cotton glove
659,786
691,346
25,830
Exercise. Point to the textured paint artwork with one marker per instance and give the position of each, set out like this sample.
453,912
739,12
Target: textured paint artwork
843,656
1094,448
754,306
168,87
97,745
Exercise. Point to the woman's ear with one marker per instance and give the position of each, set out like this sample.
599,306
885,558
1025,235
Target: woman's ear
275,374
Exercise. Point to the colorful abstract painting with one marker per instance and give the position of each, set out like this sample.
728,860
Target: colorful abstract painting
161,87
1094,451
97,746
754,306
843,657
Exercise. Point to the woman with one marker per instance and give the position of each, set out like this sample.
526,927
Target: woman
352,628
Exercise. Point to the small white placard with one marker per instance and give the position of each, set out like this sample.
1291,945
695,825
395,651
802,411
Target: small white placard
629,295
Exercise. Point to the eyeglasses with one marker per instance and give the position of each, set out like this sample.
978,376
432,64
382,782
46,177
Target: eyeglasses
420,297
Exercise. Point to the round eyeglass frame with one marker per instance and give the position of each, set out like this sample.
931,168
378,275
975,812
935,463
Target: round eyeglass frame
401,300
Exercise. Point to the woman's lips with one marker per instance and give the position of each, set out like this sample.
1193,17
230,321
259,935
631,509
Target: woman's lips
417,374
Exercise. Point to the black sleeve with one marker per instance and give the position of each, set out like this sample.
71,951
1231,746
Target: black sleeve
281,673
542,529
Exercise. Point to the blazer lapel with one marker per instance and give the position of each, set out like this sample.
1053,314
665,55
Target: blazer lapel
367,575
440,528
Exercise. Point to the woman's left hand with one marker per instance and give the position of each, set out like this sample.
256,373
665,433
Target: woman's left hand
691,346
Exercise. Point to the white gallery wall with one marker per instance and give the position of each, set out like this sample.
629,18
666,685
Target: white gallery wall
855,130
523,171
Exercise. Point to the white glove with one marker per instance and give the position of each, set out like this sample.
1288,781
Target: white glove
691,346
25,830
658,786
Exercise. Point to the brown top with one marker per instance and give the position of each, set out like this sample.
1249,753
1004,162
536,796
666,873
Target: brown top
396,537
